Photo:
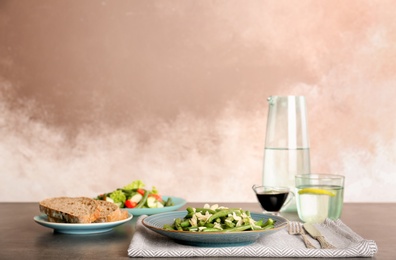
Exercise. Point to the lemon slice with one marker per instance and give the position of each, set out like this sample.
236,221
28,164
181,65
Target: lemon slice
316,191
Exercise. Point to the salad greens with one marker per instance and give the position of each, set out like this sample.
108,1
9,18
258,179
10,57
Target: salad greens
134,185
118,196
134,195
218,219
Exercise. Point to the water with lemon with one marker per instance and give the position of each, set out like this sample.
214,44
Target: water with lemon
316,203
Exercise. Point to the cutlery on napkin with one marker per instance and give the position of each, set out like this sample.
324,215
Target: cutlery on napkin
314,232
296,228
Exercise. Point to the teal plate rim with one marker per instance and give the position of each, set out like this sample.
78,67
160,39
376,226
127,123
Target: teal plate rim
178,203
80,228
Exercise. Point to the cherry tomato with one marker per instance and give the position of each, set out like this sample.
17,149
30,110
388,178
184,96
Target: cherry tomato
130,204
141,191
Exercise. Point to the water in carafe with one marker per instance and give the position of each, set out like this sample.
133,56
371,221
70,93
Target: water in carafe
281,164
286,150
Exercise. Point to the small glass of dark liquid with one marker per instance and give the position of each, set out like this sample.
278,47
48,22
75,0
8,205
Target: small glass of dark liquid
272,199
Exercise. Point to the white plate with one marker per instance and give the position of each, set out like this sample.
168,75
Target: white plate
80,229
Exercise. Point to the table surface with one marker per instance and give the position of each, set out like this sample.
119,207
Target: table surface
22,238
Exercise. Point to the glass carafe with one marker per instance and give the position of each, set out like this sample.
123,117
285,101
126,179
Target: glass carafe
286,152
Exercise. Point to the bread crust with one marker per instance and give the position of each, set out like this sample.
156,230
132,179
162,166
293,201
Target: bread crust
70,209
109,211
124,214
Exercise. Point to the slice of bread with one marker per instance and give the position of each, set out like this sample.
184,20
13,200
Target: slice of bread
109,212
56,220
70,210
124,214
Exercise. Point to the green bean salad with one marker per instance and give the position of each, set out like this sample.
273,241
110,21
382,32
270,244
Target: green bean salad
218,219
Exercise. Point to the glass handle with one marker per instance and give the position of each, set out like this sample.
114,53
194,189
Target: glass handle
289,199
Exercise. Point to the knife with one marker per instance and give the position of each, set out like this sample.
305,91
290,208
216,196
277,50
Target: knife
314,232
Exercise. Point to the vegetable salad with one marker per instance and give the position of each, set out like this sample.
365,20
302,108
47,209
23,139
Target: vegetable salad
134,195
218,219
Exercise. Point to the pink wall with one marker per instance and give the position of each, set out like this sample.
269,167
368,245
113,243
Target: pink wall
95,94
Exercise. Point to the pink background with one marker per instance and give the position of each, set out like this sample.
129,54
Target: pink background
95,94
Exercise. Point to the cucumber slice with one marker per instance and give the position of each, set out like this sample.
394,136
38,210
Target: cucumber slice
159,205
136,198
152,202
109,199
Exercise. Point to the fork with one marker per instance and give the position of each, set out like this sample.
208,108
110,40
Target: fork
296,228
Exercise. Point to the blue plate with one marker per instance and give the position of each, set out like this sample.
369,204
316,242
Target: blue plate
178,203
210,239
80,229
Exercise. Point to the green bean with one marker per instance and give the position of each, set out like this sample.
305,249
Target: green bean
211,230
143,200
168,227
268,227
169,202
178,224
260,223
201,223
185,223
240,228
222,213
128,191
229,224
209,225
191,212
192,229
269,221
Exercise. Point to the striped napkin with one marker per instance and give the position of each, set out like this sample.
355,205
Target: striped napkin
146,243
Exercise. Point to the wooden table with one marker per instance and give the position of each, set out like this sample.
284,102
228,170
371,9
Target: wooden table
22,238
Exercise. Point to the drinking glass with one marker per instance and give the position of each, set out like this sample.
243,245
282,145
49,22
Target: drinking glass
272,199
286,152
319,196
